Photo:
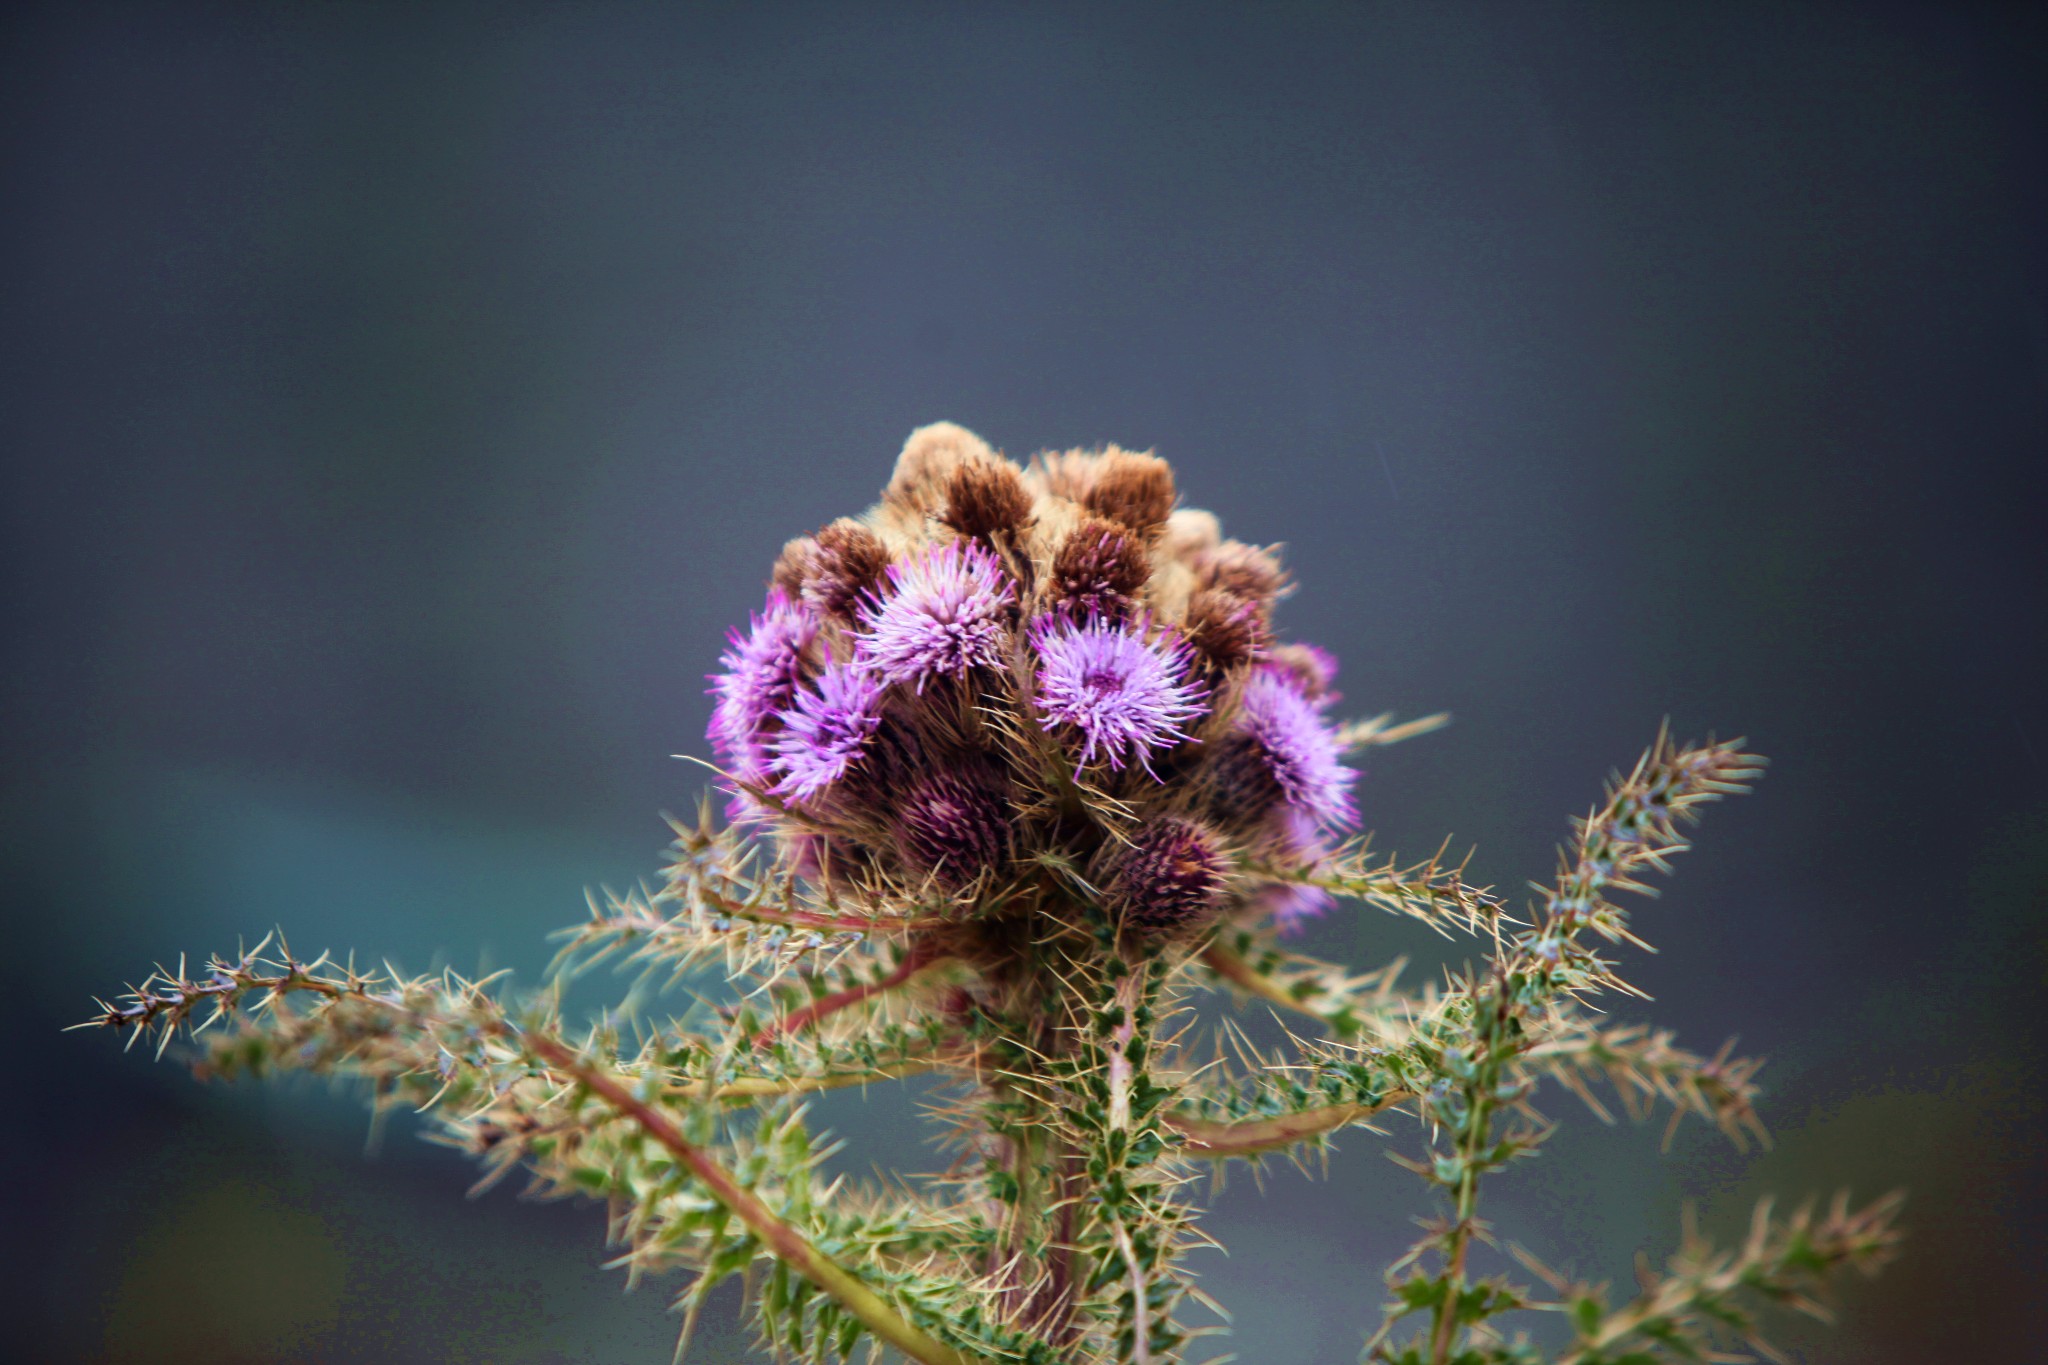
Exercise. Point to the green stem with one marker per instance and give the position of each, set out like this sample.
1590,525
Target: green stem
766,1087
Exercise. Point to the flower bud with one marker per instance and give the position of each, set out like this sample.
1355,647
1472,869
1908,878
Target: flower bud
1170,880
953,826
993,672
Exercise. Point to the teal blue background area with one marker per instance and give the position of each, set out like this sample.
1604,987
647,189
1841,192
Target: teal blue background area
398,403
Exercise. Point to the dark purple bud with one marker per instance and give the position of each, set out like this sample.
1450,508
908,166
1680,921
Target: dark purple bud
953,826
1172,879
1298,746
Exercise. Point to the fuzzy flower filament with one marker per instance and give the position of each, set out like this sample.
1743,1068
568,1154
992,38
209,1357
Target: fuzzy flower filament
943,614
764,668
826,730
1126,694
1297,747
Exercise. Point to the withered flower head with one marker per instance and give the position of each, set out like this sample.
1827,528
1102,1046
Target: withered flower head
1134,489
924,471
1099,570
844,565
986,499
1244,570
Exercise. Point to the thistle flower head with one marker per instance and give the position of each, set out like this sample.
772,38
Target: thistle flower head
1243,570
836,570
942,614
1172,878
929,680
1132,489
954,824
1297,746
826,729
1124,689
763,669
986,498
1226,630
1100,570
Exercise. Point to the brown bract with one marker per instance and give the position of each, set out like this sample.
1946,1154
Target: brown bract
1245,570
1133,489
1100,567
986,499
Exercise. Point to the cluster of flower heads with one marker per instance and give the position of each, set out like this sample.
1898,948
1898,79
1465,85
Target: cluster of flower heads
997,670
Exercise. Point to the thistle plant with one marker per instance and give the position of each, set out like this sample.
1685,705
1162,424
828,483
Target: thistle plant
1013,768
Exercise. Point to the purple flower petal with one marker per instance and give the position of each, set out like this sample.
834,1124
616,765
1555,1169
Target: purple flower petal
943,615
763,670
1298,746
1125,693
1291,906
826,729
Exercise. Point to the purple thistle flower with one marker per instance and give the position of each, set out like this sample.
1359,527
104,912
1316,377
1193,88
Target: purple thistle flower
943,614
1291,905
1298,747
763,670
1296,840
1125,693
826,729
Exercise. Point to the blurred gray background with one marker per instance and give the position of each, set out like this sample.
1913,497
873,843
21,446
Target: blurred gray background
398,402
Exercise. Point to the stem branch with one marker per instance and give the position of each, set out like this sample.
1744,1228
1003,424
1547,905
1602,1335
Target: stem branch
1248,1137
874,1312
914,961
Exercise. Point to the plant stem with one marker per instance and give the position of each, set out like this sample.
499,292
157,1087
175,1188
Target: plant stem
1234,969
765,1087
792,1247
914,961
1248,1137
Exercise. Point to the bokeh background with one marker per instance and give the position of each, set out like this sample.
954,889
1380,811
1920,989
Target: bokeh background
398,403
